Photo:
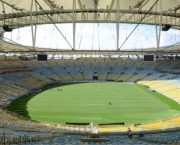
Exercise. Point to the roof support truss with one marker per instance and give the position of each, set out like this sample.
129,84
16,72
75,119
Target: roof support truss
48,4
167,18
111,6
143,4
81,8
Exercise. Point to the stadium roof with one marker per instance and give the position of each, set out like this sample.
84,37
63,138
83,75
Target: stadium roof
20,13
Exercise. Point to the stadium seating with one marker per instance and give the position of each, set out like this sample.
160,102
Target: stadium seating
158,125
12,121
156,139
157,75
9,136
163,138
149,74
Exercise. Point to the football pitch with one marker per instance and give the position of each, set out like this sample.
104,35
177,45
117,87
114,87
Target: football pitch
97,102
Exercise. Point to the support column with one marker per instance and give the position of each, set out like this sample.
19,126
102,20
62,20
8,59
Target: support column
33,29
117,25
74,35
1,37
3,10
157,35
160,25
1,29
117,36
74,25
158,31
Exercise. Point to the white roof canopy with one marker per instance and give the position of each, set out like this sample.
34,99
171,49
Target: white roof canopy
20,13
17,13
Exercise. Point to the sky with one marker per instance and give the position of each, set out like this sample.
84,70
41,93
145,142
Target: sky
94,36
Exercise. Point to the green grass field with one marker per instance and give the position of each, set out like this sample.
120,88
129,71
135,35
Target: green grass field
87,102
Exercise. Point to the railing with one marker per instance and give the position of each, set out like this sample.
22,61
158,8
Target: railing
5,140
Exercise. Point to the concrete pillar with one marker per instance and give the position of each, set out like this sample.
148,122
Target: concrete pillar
1,37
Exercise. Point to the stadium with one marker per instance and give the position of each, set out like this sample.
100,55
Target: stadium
89,72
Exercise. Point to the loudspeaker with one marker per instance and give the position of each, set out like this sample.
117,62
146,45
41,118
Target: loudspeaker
6,28
166,27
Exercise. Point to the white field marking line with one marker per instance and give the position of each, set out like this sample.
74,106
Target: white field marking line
127,94
95,104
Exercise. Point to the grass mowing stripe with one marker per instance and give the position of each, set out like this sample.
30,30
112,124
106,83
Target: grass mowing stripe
173,104
71,104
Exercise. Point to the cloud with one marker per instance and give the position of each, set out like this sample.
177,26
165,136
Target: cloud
94,36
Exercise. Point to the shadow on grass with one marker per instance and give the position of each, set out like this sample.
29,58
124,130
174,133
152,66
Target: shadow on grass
19,106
